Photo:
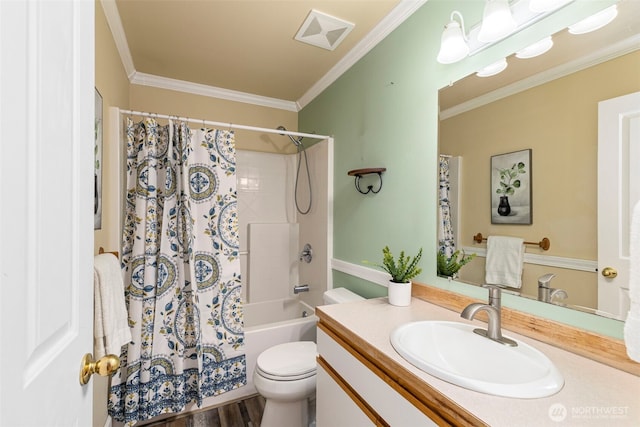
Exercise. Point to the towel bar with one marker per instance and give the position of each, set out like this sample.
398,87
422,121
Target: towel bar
102,251
544,244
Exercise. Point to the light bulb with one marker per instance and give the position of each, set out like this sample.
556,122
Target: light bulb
497,21
536,49
453,45
493,69
595,22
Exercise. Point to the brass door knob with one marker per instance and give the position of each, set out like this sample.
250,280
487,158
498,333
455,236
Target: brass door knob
609,272
104,366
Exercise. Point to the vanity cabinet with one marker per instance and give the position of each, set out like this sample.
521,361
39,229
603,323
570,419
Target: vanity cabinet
352,392
363,381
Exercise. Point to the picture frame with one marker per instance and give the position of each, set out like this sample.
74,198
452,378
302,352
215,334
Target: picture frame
511,189
97,170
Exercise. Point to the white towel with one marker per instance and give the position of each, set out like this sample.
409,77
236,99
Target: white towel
111,325
632,323
505,256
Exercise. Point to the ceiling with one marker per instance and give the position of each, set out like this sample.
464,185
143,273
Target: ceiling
245,45
248,46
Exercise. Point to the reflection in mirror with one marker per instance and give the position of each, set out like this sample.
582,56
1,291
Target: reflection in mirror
548,104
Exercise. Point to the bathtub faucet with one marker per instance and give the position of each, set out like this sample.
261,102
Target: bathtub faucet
300,288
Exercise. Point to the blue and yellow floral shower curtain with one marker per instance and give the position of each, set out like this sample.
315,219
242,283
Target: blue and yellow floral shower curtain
181,270
446,240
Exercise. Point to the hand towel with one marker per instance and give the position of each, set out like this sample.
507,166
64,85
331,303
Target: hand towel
505,257
632,323
111,325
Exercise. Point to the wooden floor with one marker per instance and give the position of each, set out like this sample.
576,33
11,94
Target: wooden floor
243,413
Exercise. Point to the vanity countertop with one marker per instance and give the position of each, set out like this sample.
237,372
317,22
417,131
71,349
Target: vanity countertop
593,394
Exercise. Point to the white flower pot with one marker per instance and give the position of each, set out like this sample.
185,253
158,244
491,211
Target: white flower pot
399,293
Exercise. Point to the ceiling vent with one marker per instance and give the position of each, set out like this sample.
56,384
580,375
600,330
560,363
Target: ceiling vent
322,30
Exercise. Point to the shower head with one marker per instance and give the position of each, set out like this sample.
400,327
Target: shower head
296,142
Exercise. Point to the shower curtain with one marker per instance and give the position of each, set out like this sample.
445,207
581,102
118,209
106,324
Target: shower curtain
181,270
445,232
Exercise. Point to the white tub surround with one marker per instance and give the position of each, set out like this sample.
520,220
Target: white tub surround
273,234
355,338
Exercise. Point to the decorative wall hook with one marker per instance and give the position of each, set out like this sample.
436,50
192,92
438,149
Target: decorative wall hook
359,173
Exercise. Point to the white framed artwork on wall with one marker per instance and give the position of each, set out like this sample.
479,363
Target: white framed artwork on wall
511,188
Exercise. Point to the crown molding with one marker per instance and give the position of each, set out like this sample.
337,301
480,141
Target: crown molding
613,51
117,31
389,23
144,79
397,16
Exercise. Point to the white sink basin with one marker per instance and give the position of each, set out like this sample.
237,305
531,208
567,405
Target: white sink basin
452,352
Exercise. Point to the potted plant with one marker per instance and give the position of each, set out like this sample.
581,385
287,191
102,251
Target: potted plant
402,270
449,267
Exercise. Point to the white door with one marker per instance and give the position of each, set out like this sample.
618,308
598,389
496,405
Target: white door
618,191
46,209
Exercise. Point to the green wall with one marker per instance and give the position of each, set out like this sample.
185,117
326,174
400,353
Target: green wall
383,112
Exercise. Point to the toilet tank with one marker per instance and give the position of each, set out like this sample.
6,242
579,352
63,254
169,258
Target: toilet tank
340,295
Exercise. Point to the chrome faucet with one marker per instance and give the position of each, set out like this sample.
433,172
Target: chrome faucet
545,292
494,329
307,253
300,288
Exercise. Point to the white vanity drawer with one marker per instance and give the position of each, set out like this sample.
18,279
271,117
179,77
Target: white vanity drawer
335,407
386,402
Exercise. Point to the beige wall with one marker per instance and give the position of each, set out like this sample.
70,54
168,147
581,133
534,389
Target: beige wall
112,83
559,122
164,101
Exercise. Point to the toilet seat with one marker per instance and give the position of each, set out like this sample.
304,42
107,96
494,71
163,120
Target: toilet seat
288,362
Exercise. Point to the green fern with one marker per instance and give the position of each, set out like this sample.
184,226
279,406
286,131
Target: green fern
402,270
450,266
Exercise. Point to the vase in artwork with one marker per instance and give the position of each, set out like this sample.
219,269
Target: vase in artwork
503,207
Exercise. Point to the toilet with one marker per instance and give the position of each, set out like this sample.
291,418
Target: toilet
285,375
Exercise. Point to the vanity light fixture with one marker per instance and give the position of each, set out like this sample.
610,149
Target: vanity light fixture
536,49
497,21
595,22
501,18
493,69
453,45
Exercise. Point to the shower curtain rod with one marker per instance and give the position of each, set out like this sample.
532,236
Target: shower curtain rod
223,125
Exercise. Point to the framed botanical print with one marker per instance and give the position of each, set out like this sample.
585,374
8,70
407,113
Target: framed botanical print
511,188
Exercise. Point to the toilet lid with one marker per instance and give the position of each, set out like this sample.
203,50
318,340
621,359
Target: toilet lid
288,360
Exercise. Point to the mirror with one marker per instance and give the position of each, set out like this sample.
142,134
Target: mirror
547,104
